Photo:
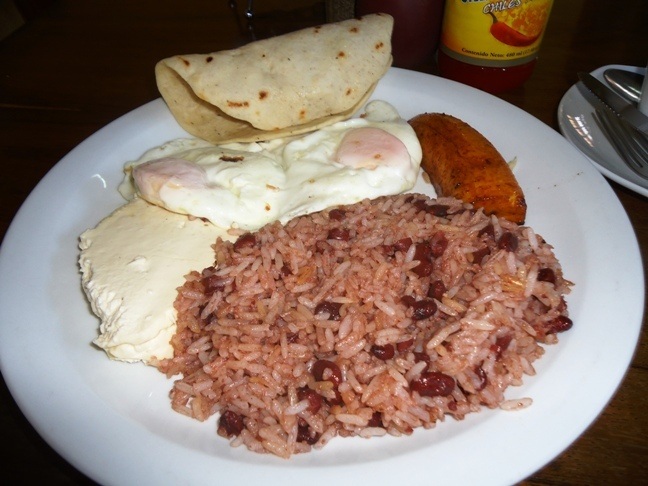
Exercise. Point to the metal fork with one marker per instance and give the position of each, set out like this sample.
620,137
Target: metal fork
630,144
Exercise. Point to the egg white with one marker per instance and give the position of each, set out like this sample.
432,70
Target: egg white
249,185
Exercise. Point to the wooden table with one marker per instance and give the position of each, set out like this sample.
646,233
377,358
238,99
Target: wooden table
76,66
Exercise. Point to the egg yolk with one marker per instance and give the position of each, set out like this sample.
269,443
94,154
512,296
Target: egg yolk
150,177
369,147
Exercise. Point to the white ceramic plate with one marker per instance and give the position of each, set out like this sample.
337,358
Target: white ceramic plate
579,127
113,420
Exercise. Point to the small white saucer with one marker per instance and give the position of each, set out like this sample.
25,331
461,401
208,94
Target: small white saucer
578,126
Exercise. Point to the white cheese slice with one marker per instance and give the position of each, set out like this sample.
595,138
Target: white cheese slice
132,264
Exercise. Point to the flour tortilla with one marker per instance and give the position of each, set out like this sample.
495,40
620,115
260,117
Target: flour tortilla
280,86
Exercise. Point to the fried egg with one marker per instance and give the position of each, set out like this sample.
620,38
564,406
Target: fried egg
246,186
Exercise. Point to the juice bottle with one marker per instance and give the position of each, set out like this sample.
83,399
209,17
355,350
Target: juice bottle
491,45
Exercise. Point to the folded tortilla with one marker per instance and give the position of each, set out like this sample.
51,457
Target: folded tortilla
284,85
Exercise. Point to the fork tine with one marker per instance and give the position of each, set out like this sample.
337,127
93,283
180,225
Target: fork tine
640,138
627,152
628,136
607,131
619,141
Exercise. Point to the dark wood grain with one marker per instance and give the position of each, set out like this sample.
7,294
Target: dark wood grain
76,66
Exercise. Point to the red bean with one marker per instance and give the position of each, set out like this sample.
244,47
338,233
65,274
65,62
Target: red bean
321,365
408,300
488,230
248,240
230,424
403,346
547,275
314,399
559,324
423,251
376,420
422,309
420,204
285,271
501,344
383,352
436,290
340,234
332,308
479,255
421,356
508,241
305,434
433,384
337,214
423,269
438,244
440,210
403,244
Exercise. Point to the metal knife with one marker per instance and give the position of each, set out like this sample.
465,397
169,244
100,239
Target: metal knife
615,102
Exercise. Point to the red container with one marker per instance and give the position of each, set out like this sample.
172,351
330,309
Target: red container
417,26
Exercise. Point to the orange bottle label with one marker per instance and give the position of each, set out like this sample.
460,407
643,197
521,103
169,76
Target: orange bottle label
494,33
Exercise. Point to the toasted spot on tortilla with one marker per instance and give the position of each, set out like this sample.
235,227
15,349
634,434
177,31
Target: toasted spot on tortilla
231,158
349,91
238,104
379,46
340,54
263,95
185,61
354,30
209,58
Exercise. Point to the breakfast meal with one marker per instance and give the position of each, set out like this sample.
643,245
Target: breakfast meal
280,268
462,163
